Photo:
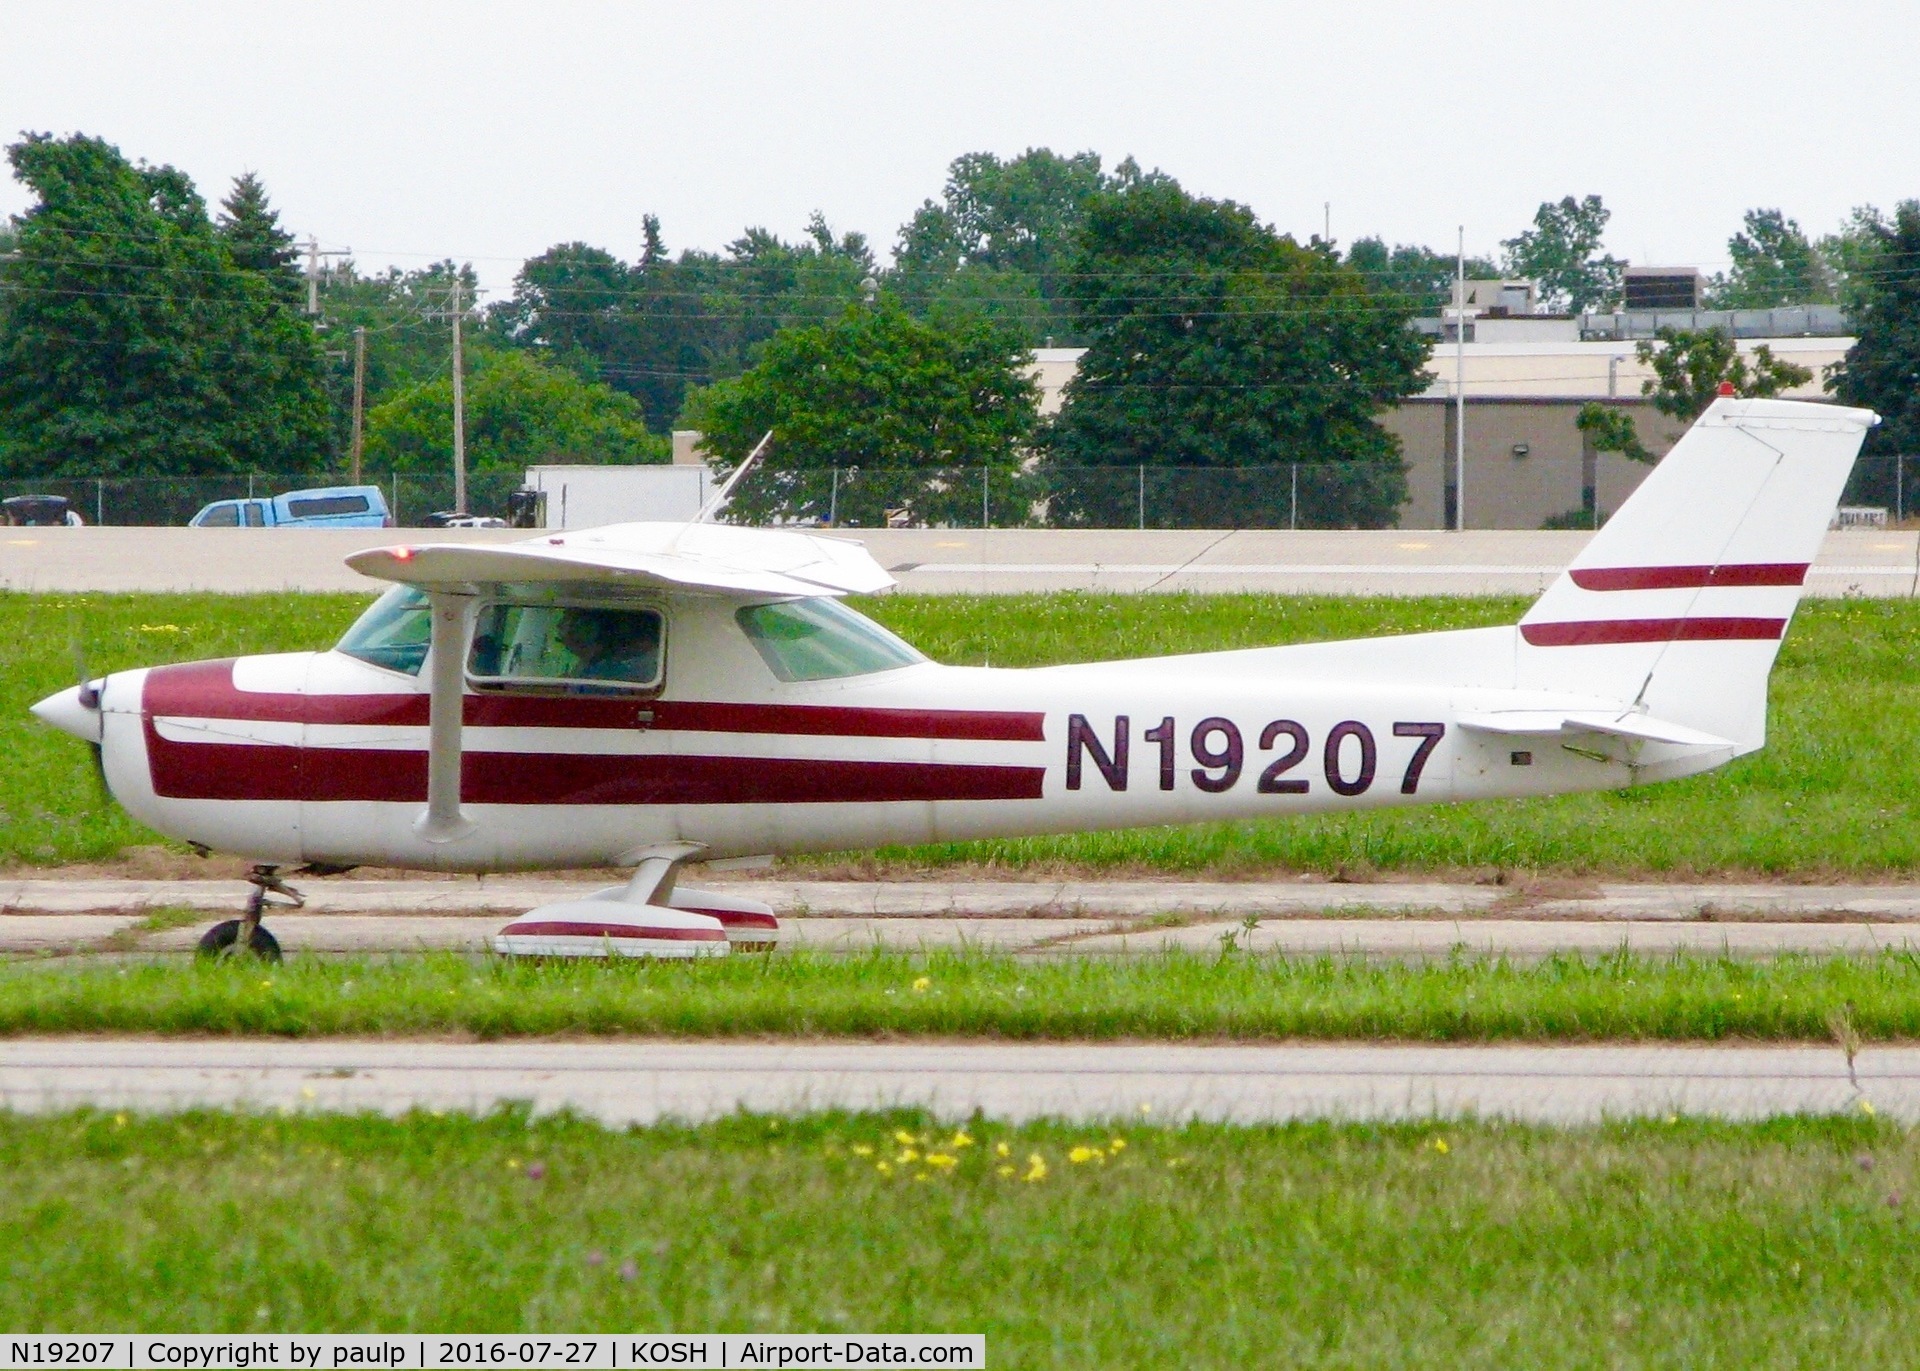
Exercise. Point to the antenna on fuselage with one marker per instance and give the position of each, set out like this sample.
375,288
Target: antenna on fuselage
713,506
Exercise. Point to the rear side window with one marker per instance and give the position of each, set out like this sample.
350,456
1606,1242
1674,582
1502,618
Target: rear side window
256,514
821,639
327,506
221,516
587,649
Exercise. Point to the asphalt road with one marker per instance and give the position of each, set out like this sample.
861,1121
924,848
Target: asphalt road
639,1082
941,561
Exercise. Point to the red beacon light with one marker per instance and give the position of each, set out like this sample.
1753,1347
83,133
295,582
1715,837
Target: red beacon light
403,554
1726,389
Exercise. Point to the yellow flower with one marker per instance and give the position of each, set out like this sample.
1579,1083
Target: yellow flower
862,1150
513,1163
922,985
1146,1108
960,1139
1174,1162
941,1161
907,1155
904,1138
1117,1145
1866,1107
1036,1168
119,1120
267,984
1440,1146
1081,1154
1000,1149
885,1168
1005,1170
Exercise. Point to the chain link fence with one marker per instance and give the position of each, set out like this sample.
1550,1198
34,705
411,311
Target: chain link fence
1303,495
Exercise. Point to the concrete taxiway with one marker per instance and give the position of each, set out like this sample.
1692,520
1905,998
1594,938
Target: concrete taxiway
945,561
641,1082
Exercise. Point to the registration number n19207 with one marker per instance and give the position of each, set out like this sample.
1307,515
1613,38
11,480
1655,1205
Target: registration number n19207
1349,754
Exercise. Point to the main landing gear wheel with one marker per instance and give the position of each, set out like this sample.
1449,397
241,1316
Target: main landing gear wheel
222,940
244,935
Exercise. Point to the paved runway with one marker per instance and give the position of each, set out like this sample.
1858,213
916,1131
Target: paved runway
639,1082
945,561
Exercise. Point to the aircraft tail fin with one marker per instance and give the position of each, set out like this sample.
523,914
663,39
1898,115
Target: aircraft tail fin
1679,603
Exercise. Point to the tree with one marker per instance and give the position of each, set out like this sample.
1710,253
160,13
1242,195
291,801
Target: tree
1561,252
132,342
1689,369
1881,371
910,403
1422,275
250,227
1214,342
519,411
1774,265
1000,241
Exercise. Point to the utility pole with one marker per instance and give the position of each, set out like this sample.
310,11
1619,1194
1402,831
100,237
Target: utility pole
359,396
314,253
1460,388
459,407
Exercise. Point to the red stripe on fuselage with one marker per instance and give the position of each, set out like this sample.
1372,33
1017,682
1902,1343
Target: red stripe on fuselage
241,771
550,928
1690,577
205,690
1584,633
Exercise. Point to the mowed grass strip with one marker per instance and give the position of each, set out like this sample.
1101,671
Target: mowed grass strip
981,995
1836,792
1789,1243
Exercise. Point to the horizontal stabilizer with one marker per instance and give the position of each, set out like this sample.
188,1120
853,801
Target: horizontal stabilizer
1540,723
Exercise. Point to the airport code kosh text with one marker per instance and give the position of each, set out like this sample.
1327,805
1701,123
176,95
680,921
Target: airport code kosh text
583,1352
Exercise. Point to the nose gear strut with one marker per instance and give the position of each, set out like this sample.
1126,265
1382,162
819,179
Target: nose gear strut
231,938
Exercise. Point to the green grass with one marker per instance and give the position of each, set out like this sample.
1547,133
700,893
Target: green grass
970,994
1785,1244
1835,793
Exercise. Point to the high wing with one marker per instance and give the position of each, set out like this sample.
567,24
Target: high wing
711,557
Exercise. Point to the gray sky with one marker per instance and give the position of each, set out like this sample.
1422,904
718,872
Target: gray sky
489,131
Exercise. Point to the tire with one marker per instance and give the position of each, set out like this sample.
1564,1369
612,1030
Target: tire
219,941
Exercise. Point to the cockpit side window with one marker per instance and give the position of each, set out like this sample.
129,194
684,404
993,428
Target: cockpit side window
583,649
393,633
821,639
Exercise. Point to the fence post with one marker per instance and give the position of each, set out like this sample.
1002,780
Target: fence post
986,516
99,500
1143,499
1899,492
833,501
1293,518
393,484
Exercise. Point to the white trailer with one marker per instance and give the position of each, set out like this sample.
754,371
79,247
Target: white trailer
588,496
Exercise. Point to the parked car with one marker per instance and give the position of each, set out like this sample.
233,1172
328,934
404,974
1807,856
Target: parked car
449,518
38,511
327,507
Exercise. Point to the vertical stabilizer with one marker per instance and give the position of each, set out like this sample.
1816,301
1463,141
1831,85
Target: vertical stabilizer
1679,604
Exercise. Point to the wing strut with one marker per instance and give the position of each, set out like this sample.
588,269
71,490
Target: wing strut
443,821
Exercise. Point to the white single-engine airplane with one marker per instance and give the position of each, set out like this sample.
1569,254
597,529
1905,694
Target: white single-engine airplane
642,694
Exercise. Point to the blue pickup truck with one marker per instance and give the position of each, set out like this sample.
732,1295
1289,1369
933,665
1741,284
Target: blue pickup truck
329,507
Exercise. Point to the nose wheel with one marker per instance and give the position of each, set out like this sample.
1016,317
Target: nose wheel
245,935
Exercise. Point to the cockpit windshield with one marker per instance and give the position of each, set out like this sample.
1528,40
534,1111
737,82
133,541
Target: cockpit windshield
393,633
821,639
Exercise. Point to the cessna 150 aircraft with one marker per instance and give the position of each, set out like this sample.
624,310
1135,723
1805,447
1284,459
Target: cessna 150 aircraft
642,694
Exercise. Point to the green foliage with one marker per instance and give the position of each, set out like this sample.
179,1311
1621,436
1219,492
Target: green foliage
519,411
1215,342
1562,252
1420,274
132,342
1881,371
250,227
1690,367
1002,240
1774,265
875,388
1608,429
